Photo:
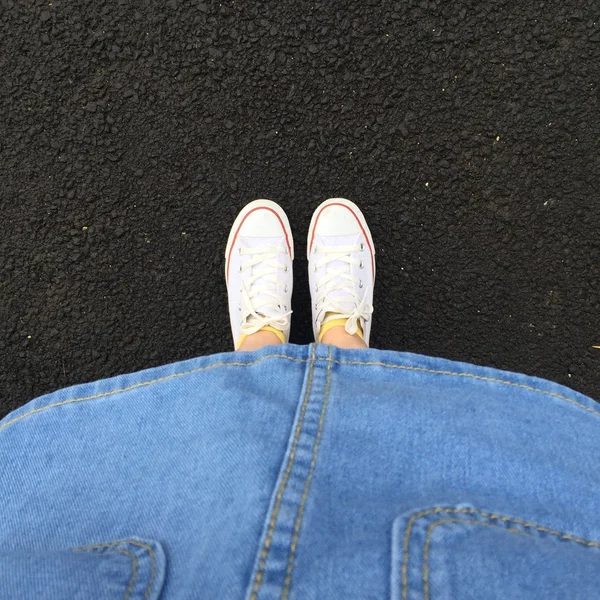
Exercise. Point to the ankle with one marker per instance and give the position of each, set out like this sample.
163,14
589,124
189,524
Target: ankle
258,340
338,336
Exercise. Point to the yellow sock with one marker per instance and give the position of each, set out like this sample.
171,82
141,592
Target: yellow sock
341,322
277,332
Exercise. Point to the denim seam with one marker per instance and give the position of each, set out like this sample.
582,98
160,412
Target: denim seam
302,360
133,543
484,514
147,383
282,486
313,463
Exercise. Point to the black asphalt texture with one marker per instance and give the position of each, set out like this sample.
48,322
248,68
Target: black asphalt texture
131,134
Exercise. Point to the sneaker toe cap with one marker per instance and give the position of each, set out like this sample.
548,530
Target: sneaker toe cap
262,223
337,220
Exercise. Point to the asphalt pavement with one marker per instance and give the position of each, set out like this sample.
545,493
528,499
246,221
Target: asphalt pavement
131,133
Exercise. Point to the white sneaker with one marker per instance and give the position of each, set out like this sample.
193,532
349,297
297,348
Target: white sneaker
341,265
258,270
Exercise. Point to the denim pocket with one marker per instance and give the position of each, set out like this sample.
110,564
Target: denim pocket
463,552
131,569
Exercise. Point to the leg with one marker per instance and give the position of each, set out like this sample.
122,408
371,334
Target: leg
258,340
338,336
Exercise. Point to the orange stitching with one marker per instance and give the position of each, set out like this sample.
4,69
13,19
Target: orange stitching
147,383
120,551
491,516
472,376
313,463
279,496
133,571
435,524
152,565
412,519
428,540
133,543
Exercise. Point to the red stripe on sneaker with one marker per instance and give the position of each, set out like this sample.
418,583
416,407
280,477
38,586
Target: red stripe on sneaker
312,239
287,241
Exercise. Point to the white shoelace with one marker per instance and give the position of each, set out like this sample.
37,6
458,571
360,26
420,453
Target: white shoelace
342,281
261,303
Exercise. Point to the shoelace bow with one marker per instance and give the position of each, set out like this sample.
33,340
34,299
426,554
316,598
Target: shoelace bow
341,279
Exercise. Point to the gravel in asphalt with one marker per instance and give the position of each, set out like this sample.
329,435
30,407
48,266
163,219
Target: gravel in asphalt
131,133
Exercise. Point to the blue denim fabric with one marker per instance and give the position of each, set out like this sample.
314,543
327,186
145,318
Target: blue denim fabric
303,472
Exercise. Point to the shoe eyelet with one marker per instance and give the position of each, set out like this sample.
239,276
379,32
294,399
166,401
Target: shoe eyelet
362,246
285,269
285,289
360,284
240,269
239,251
360,264
240,308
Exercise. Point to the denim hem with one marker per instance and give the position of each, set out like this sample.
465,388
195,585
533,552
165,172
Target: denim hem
402,361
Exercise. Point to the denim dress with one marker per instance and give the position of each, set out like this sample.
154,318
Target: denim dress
303,472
